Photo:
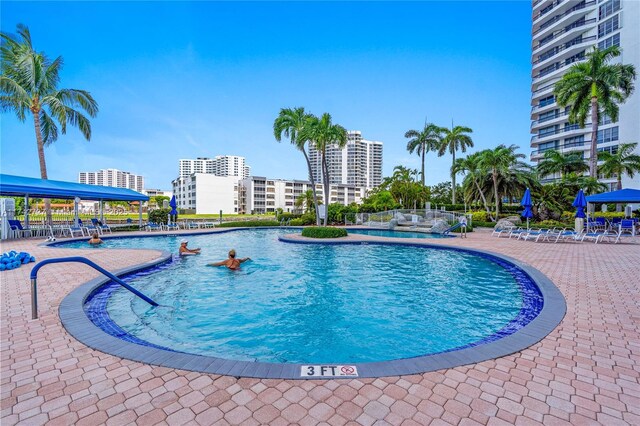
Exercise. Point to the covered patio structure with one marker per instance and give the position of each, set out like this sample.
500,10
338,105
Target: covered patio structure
623,196
18,186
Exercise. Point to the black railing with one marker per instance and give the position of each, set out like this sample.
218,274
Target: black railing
564,47
556,18
564,30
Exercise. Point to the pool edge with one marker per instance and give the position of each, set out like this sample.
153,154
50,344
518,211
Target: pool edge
76,322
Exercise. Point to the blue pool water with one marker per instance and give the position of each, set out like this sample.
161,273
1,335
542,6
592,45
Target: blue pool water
318,303
395,234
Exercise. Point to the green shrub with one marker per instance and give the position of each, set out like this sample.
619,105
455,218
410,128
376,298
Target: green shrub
296,222
324,232
549,224
308,219
249,224
479,223
479,216
287,216
159,215
609,215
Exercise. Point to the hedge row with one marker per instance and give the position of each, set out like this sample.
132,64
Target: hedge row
324,232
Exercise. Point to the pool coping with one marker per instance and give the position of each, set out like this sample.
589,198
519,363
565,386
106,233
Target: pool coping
77,323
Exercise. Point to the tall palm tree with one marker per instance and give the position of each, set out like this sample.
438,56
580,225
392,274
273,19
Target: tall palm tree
470,165
29,84
291,123
623,161
452,141
428,139
556,162
323,133
595,86
499,161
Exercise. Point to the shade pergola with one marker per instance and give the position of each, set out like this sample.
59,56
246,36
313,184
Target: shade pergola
628,195
17,186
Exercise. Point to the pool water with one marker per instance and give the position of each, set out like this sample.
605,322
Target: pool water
315,303
395,234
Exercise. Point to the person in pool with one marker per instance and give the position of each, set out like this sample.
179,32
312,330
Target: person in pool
184,251
95,239
231,262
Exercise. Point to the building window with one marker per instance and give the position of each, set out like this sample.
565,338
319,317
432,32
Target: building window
608,135
547,131
610,149
568,127
574,141
546,101
547,146
548,116
608,26
614,40
609,8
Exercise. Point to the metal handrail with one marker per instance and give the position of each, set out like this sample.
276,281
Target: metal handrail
36,268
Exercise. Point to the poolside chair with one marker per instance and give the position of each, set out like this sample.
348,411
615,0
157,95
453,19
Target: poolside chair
595,236
101,226
627,228
171,226
18,230
533,234
503,230
192,225
89,228
73,230
568,235
517,231
152,226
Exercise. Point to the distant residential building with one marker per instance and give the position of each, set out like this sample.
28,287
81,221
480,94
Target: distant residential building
114,178
206,193
359,163
264,195
156,192
221,165
563,32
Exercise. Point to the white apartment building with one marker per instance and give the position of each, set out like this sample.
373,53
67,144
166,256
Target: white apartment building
114,178
206,193
156,192
563,32
221,165
263,195
359,163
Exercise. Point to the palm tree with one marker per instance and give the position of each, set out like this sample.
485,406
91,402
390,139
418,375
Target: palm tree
452,141
623,161
322,133
595,86
499,161
471,166
292,123
424,141
556,162
28,83
306,200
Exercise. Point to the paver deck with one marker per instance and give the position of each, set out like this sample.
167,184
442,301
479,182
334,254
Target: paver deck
585,372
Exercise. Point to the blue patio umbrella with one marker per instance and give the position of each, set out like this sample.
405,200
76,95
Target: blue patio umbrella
580,203
173,206
526,203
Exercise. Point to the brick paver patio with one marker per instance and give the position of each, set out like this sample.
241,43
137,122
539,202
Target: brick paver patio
585,372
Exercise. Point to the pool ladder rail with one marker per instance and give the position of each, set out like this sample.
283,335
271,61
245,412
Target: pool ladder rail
36,268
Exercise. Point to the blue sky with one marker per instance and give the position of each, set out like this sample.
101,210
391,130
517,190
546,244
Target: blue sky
198,79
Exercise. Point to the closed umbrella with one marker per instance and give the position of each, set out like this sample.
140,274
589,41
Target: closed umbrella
173,206
526,203
580,203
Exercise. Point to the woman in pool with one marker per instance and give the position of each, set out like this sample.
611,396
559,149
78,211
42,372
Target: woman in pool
95,239
184,251
231,262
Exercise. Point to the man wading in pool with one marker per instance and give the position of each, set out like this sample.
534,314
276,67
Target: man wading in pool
231,262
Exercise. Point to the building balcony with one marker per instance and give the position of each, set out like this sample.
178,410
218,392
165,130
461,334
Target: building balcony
565,133
557,72
569,147
563,35
565,51
546,26
561,116
538,109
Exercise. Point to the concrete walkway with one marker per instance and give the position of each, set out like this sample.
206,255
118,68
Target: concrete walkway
585,372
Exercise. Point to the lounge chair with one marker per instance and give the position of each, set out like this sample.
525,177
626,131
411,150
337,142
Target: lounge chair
595,236
90,228
568,235
503,230
18,230
152,226
517,231
534,234
171,226
73,230
192,225
101,226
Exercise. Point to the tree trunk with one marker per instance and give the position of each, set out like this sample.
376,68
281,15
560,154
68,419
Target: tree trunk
619,187
495,192
313,184
453,179
484,199
325,175
423,148
43,163
593,159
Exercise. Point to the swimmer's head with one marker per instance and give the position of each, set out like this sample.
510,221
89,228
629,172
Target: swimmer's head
232,253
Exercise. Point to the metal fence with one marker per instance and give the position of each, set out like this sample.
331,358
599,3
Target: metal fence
405,217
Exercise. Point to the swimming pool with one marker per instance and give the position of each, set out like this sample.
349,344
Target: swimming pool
319,303
395,234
